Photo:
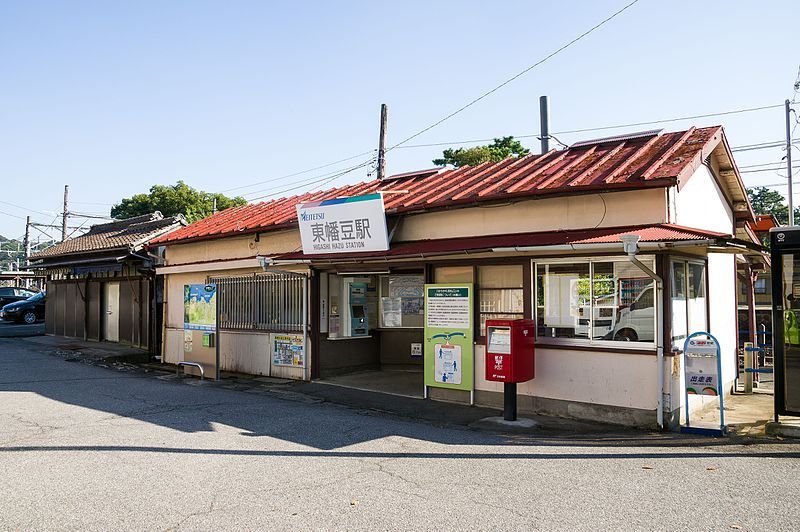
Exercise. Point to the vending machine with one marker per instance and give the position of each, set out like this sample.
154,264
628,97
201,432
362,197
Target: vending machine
785,258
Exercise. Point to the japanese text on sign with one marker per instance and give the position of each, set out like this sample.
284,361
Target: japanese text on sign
343,225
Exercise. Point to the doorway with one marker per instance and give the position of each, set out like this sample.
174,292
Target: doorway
110,314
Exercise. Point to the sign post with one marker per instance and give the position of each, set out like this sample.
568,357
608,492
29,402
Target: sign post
448,350
702,375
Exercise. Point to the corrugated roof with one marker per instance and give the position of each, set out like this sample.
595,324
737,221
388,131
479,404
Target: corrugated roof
654,160
446,246
121,234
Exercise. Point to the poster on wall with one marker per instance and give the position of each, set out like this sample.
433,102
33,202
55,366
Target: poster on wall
287,350
200,307
448,350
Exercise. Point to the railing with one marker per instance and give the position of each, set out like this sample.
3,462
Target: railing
270,302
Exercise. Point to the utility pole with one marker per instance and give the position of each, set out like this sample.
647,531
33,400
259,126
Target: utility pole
544,123
382,142
27,240
64,215
214,207
789,161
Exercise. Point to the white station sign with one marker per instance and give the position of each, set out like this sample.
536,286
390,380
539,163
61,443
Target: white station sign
343,225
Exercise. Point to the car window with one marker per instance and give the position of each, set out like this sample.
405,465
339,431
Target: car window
36,297
24,293
4,291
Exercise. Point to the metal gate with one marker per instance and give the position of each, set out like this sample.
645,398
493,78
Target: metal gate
272,302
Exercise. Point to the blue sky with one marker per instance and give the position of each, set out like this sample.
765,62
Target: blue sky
113,97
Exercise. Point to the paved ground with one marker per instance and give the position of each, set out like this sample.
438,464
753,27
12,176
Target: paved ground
10,329
99,448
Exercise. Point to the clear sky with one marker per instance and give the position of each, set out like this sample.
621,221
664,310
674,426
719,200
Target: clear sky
113,97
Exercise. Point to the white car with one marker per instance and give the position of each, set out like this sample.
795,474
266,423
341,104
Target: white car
636,323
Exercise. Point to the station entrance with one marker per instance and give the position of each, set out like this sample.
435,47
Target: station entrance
371,330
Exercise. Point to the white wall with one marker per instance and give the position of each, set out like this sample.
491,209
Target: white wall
701,204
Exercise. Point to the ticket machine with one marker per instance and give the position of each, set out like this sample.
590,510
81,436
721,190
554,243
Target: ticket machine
359,324
510,358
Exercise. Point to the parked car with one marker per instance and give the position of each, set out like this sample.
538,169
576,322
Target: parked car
10,294
26,311
635,323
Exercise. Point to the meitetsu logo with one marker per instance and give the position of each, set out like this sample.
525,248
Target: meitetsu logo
781,237
312,216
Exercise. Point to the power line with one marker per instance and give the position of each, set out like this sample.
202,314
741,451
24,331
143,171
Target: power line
307,181
323,181
295,173
516,76
621,126
775,169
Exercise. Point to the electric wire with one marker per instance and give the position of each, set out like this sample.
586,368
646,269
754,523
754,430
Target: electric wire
516,76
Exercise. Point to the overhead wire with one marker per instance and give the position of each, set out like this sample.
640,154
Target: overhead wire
301,172
327,178
516,76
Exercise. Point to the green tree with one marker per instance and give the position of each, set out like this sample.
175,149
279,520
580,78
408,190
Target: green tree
496,151
767,201
173,200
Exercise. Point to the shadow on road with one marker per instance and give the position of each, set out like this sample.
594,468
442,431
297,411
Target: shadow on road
284,411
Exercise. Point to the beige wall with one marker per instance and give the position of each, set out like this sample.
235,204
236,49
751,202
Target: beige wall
233,247
546,214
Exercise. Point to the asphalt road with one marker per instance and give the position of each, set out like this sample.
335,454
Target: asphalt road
84,447
9,329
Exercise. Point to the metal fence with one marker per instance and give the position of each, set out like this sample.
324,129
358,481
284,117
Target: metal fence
262,302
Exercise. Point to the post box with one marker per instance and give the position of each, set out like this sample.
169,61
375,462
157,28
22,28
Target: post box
509,350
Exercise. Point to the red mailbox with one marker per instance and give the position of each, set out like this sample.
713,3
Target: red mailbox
509,350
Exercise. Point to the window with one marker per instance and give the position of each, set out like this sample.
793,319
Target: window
688,294
598,301
453,274
402,301
760,286
500,293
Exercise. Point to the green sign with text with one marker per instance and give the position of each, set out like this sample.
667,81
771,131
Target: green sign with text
449,331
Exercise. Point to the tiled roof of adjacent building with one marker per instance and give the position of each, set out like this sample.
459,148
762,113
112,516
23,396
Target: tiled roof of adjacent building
129,234
651,159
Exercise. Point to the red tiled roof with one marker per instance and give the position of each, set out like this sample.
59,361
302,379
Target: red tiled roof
764,222
620,163
446,246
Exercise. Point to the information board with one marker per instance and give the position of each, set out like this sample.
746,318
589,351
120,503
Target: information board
200,307
702,368
449,332
288,350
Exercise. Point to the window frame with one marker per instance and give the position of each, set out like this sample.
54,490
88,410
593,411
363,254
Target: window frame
649,260
685,262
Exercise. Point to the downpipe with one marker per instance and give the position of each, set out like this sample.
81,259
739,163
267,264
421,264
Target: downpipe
631,246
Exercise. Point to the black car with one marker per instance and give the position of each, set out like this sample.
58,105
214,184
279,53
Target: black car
10,294
26,311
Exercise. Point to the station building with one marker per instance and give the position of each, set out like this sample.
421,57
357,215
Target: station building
537,237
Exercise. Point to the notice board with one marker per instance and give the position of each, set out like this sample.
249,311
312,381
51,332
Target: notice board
449,332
